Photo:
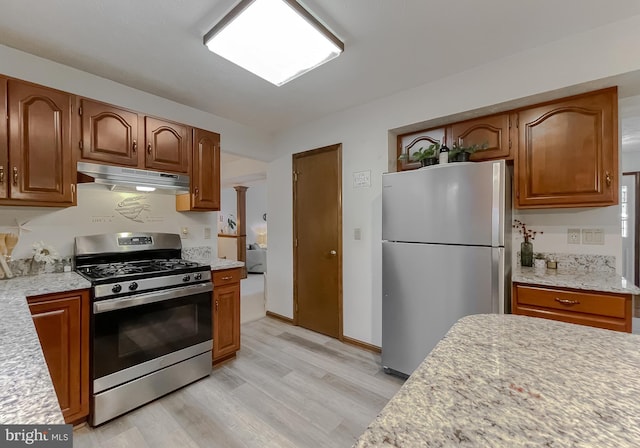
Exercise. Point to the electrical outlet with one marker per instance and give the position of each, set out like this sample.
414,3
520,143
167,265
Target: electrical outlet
357,233
207,233
573,236
184,232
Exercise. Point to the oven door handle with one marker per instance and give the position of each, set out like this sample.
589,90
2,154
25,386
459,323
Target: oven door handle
151,297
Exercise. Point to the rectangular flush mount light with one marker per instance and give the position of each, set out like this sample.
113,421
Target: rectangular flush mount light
277,40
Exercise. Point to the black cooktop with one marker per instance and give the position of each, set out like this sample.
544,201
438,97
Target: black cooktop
142,268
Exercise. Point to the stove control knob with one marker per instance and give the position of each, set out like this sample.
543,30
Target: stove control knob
186,278
198,276
116,289
133,286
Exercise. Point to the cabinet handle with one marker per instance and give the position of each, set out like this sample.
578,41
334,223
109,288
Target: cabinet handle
607,178
196,191
1,174
149,148
15,176
216,305
568,301
134,148
229,277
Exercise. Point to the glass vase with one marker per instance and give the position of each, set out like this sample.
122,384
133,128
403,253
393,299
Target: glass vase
526,254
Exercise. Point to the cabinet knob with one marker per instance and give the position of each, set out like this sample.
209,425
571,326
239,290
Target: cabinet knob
134,148
333,252
196,191
15,176
149,148
607,178
1,174
216,305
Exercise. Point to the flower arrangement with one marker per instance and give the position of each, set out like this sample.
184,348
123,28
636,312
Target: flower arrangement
526,233
43,253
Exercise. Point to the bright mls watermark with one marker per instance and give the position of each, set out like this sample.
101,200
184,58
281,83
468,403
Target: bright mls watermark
37,436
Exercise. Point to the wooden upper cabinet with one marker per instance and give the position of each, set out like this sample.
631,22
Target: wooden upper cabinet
205,174
568,153
41,168
108,134
492,130
4,141
410,143
166,145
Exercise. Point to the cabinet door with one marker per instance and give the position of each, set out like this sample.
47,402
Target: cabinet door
568,153
108,134
226,320
62,323
494,131
4,141
41,168
167,145
205,181
410,143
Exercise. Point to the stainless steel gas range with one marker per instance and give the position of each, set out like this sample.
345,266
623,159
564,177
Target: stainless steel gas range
151,321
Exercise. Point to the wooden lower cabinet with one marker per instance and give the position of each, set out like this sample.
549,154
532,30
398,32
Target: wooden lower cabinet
226,314
596,309
62,323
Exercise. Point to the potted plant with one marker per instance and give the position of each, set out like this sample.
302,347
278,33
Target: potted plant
460,153
426,156
526,247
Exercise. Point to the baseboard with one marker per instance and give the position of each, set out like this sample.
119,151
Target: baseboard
360,344
280,317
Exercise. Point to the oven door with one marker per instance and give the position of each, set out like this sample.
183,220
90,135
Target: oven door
136,335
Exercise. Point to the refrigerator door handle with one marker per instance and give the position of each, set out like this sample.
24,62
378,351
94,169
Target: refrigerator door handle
498,283
498,205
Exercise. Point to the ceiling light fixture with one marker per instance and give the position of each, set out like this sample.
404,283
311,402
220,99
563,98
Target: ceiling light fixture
278,40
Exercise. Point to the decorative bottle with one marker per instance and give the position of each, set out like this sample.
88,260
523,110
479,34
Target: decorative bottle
444,154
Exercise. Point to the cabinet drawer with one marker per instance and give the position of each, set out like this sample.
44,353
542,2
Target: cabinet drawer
579,302
227,276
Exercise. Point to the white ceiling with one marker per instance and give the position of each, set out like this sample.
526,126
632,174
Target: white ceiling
390,45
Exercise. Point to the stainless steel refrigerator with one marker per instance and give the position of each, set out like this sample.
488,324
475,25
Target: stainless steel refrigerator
446,233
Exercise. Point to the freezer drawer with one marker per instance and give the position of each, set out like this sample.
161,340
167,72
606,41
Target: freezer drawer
426,288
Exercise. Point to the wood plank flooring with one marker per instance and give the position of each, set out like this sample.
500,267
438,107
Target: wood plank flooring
288,387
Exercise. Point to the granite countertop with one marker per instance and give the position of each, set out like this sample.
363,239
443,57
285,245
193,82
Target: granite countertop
217,264
578,279
26,392
518,381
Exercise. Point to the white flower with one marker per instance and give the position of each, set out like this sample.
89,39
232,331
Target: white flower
44,253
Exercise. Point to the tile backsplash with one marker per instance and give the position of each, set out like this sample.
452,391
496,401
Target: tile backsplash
580,262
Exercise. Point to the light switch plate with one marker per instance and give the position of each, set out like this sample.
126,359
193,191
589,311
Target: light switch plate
593,236
207,233
357,233
573,236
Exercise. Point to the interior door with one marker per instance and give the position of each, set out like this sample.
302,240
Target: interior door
317,217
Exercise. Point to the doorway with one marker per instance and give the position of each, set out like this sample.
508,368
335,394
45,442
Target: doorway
317,240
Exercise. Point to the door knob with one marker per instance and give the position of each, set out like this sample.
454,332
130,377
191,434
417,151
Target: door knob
333,252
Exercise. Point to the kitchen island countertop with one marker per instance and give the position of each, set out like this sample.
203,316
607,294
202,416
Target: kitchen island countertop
26,391
572,278
518,381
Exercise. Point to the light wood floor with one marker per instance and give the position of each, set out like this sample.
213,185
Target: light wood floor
288,387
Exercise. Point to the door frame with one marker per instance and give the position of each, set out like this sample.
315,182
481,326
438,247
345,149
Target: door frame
294,158
636,227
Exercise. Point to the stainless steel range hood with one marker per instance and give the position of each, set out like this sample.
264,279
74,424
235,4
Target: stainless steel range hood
119,178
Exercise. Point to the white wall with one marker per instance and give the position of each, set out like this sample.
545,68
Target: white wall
362,130
98,212
555,222
235,138
256,207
